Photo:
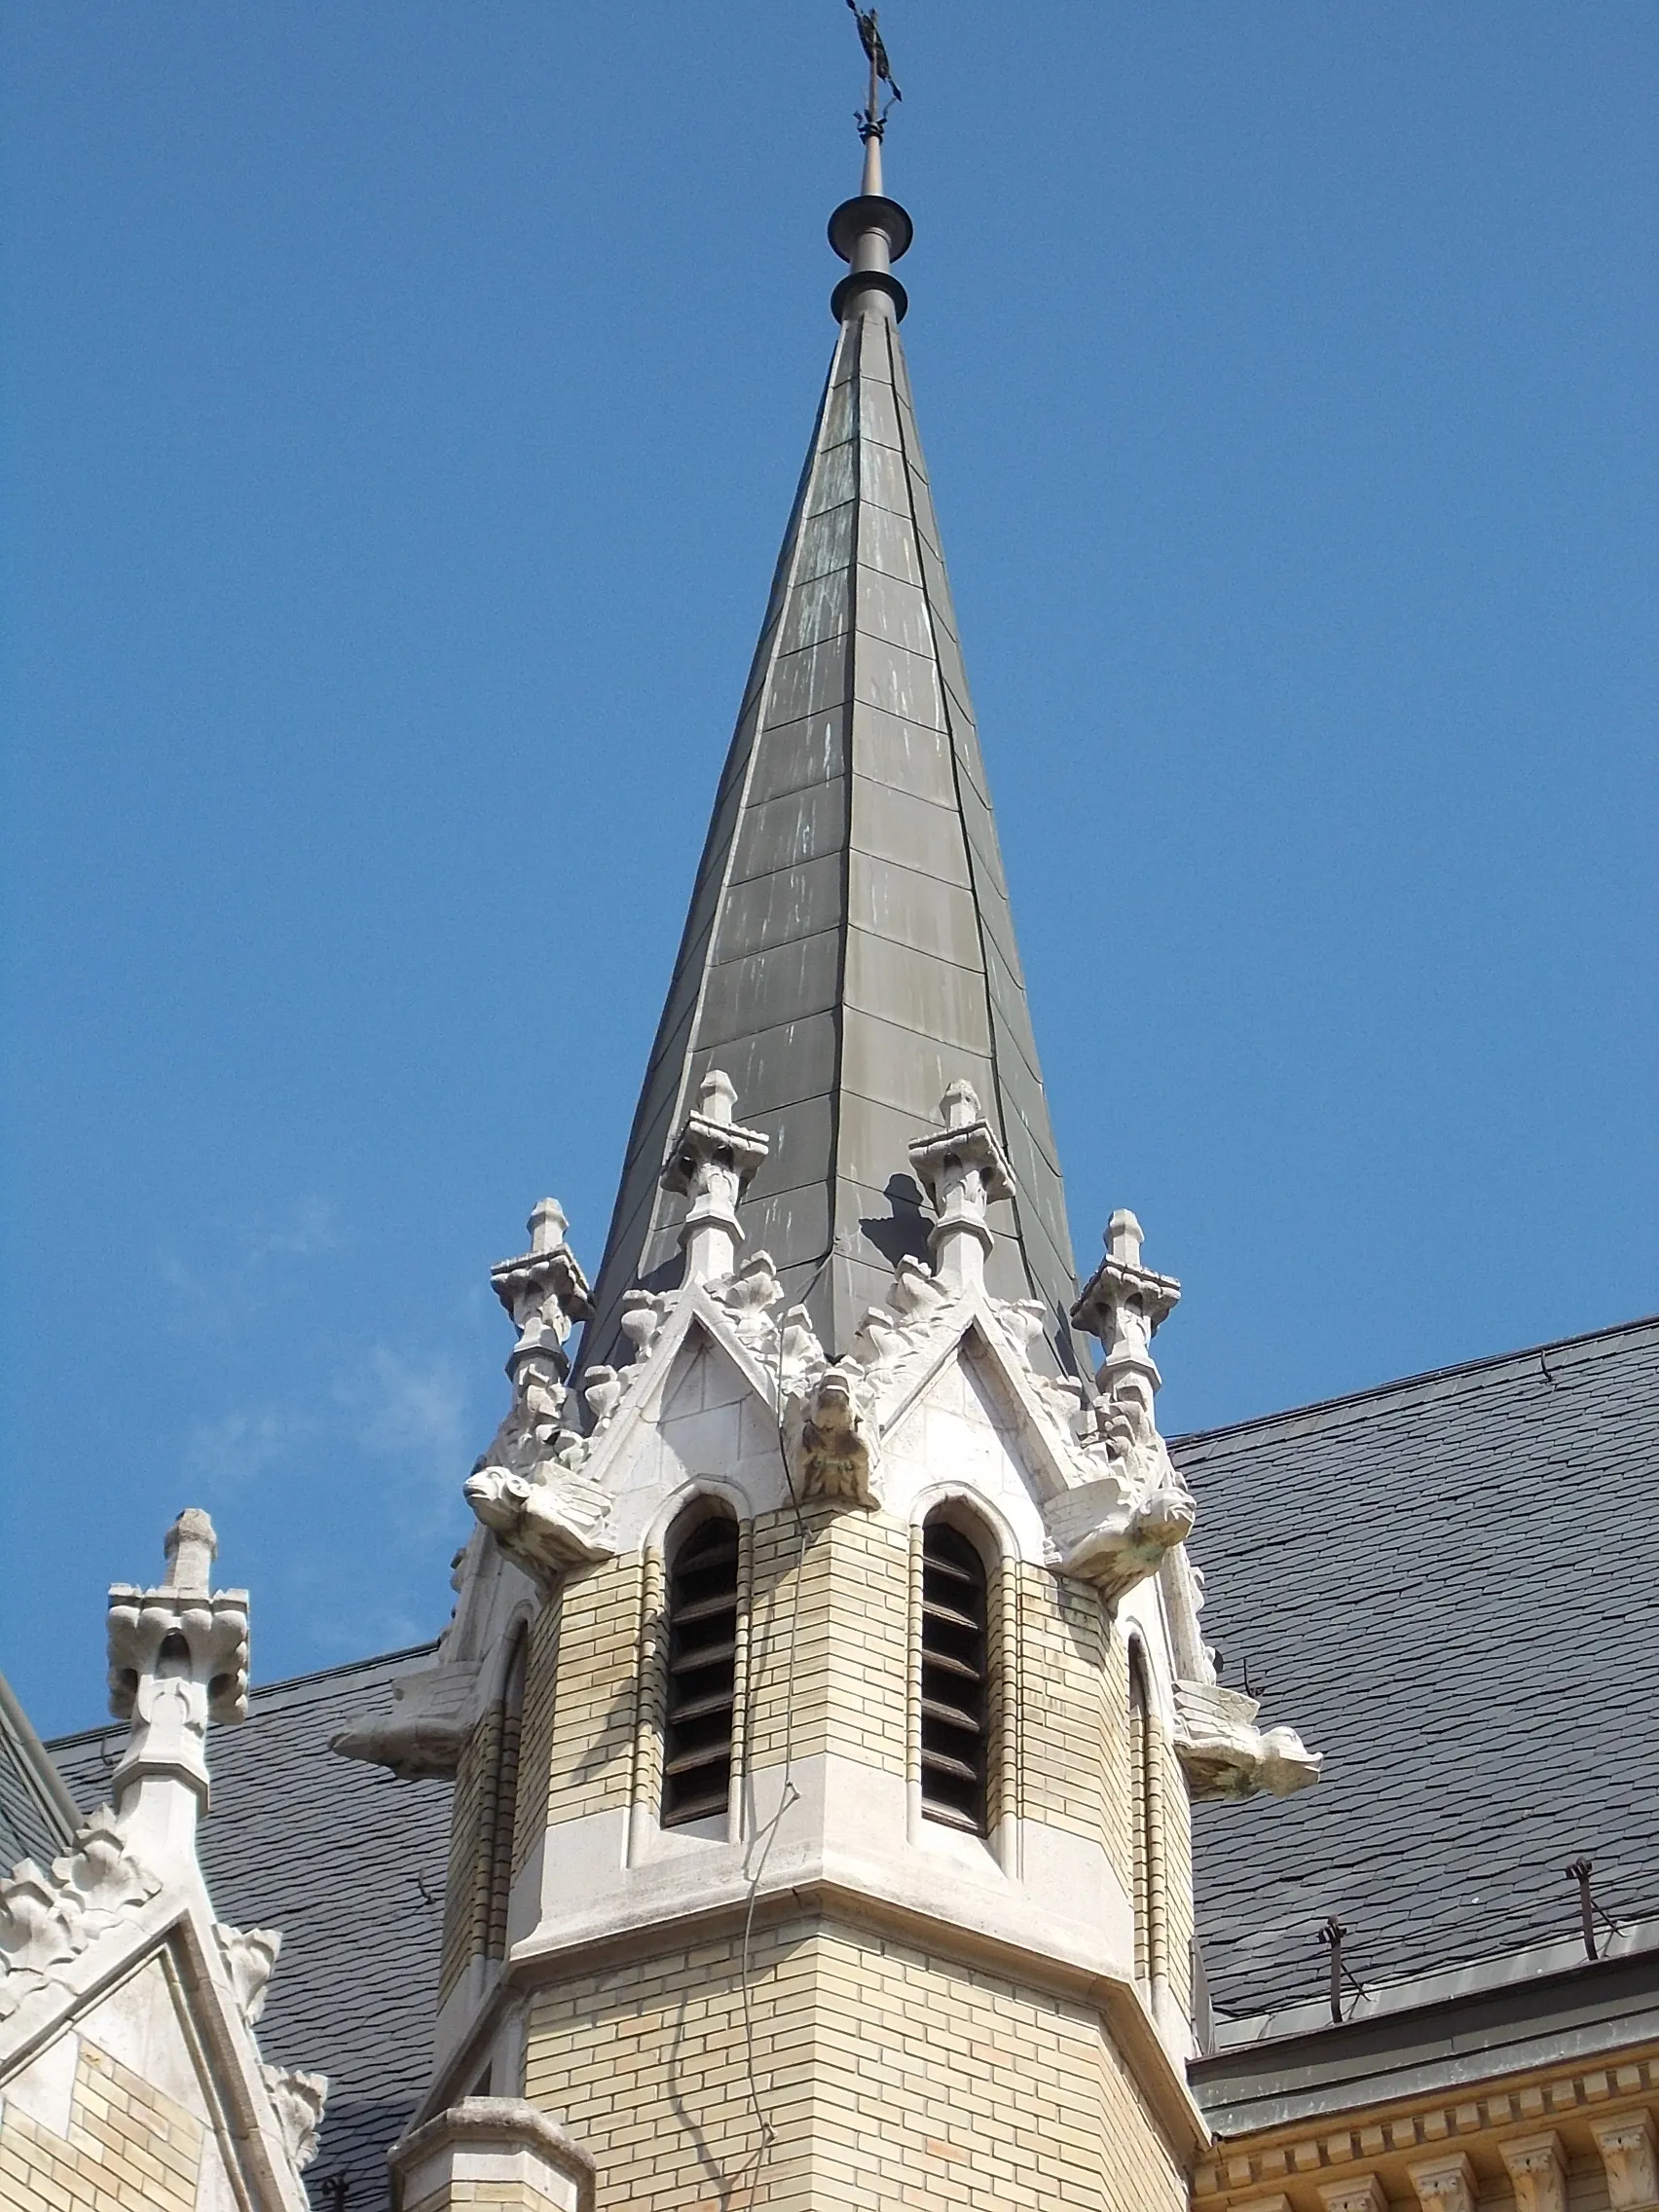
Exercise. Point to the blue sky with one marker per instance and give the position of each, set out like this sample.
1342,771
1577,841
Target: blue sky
403,407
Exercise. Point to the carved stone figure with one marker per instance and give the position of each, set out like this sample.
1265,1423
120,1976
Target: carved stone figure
1223,1755
547,1527
830,1438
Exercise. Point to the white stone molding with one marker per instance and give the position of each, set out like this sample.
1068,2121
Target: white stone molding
1365,2195
1223,1755
177,1659
47,1920
500,2148
1537,2172
250,1960
711,1163
297,2100
1446,2184
963,1168
1626,2142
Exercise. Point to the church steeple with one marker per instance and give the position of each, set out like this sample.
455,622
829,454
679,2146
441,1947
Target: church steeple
849,951
824,1694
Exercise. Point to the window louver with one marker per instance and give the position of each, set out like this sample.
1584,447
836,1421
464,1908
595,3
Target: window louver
954,1724
702,1654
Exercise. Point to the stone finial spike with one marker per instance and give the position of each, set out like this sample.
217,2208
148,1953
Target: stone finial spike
716,1097
960,1106
177,1659
1124,1237
547,1226
190,1548
712,1163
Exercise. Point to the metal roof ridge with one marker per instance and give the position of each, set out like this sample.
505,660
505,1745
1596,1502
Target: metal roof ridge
1557,1959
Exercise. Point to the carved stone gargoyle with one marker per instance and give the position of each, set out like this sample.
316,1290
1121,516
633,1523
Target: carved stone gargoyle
1224,1755
429,1725
546,1526
1104,1534
830,1437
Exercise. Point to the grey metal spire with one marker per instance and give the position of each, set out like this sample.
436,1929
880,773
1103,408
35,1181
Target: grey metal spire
849,952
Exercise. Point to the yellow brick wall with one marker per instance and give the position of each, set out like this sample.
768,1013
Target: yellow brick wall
1177,1868
1074,1715
129,2149
888,2076
832,1676
596,1671
467,1891
535,1737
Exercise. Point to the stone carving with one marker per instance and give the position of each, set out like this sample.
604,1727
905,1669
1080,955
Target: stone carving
1362,2195
830,1435
963,1168
431,1724
546,1526
1116,1526
250,1960
527,1488
546,1293
298,2100
1223,1755
1445,2183
1108,1534
47,1920
1537,2173
748,1298
711,1163
1627,2147
177,1659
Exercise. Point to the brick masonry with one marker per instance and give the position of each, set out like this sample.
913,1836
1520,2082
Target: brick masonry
885,2076
129,2149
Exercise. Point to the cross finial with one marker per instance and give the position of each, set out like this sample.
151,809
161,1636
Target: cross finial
872,118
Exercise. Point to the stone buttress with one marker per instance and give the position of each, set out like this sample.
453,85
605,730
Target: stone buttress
825,1689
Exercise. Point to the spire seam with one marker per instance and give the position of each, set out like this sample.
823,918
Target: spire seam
1021,1199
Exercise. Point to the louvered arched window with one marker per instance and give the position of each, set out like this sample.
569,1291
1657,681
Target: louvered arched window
955,1686
702,1668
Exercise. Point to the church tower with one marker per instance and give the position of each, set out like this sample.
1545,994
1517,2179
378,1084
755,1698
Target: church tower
825,1690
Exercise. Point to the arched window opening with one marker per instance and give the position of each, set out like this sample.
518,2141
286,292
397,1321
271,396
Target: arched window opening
702,1671
955,1699
503,1796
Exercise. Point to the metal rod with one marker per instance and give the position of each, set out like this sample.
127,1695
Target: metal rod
1580,1871
1330,1935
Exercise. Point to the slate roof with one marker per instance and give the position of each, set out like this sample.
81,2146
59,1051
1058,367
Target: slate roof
349,1866
849,949
1451,1587
36,1811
